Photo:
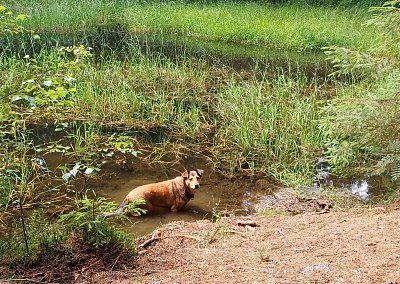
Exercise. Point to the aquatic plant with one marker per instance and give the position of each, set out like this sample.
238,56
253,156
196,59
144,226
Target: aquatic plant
270,127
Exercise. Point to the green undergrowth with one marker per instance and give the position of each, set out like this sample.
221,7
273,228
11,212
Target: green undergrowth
251,122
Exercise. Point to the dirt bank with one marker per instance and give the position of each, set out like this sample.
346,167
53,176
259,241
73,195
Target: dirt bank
361,246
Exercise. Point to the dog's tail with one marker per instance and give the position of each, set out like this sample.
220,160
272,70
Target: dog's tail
119,210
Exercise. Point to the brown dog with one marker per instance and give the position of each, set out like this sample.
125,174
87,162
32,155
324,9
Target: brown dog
171,194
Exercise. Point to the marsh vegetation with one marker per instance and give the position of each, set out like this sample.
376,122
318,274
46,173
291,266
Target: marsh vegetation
118,81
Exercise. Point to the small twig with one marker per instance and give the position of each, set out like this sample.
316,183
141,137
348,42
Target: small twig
25,279
245,223
148,242
116,260
236,232
155,237
86,268
189,237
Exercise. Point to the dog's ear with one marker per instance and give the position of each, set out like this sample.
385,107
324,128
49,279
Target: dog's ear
200,172
185,174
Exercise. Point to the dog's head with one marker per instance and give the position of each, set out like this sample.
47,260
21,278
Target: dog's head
192,179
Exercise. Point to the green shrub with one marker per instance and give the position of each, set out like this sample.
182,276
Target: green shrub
363,122
42,236
87,222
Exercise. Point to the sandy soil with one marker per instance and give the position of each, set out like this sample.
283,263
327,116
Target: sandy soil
361,246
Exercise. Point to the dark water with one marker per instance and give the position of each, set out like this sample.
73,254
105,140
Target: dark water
114,40
240,57
218,196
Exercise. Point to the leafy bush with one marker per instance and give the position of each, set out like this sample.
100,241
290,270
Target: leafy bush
51,80
88,223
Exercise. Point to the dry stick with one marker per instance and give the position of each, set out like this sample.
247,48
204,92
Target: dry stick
86,268
236,232
245,223
154,237
21,212
149,242
189,237
116,260
25,279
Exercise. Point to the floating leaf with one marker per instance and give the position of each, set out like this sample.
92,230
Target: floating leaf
16,98
30,80
75,169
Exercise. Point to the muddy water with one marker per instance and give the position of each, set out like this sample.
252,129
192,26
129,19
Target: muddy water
216,196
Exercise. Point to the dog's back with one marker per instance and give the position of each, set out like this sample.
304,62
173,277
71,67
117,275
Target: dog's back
171,194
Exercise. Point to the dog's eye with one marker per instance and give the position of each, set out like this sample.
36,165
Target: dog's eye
191,178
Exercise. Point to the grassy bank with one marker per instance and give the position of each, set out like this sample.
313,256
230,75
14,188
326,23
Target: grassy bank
289,27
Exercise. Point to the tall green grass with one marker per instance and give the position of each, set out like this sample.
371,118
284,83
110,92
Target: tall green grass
145,93
270,126
289,26
66,16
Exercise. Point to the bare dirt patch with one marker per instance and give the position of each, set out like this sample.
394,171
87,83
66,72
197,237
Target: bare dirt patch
362,246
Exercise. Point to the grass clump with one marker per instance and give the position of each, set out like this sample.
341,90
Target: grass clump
270,127
42,237
145,94
66,15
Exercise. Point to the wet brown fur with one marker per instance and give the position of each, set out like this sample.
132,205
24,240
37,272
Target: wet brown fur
170,195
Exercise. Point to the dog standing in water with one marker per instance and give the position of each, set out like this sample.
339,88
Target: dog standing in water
171,194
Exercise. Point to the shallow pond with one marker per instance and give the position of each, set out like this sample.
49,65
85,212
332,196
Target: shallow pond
116,42
216,196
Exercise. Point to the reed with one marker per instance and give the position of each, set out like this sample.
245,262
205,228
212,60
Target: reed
270,127
145,94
